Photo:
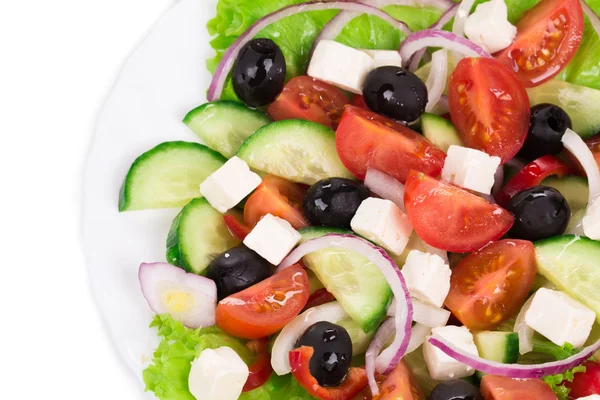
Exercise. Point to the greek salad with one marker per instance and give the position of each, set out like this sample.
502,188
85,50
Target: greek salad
393,199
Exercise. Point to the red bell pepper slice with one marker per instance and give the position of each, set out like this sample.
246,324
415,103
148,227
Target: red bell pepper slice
318,298
261,369
532,175
355,381
236,227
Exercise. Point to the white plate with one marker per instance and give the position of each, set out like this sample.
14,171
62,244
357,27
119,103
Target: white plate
163,79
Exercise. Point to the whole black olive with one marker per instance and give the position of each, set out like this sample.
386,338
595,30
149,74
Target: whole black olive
237,269
333,202
395,92
259,72
332,347
547,126
455,390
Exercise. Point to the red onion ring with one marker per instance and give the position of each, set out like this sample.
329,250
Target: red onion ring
463,12
519,371
385,186
523,330
385,333
593,17
437,79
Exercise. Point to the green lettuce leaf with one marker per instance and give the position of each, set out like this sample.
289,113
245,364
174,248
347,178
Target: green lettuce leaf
556,382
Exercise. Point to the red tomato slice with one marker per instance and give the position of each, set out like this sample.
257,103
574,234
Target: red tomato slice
401,383
490,285
585,383
355,380
266,307
450,218
278,197
532,175
236,228
318,298
261,369
365,139
306,98
548,37
494,387
359,101
489,107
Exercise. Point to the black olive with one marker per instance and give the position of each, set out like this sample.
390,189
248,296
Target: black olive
455,390
395,92
546,128
540,212
332,347
259,72
333,202
237,269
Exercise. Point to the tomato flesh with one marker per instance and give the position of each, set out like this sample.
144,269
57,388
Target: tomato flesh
586,383
236,228
401,383
266,307
490,285
365,139
320,297
261,369
278,197
549,35
359,101
306,98
494,387
489,106
450,218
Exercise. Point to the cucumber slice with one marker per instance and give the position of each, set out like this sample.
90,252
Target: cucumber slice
580,102
502,347
297,150
224,125
440,131
416,363
572,263
360,339
574,188
356,283
198,234
168,175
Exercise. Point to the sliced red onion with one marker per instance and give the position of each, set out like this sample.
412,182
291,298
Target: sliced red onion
418,335
390,358
463,12
188,298
442,107
594,19
438,76
498,180
439,38
518,371
523,330
383,335
331,312
385,186
429,315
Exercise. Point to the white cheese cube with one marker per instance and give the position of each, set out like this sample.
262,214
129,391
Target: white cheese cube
427,277
340,65
384,58
228,185
441,366
590,397
489,27
560,318
382,222
471,169
218,374
272,238
591,220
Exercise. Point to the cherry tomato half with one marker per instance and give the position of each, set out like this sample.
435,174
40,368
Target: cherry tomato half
359,101
494,387
261,369
489,107
548,37
490,285
236,228
401,383
306,98
586,383
365,139
320,297
266,307
450,218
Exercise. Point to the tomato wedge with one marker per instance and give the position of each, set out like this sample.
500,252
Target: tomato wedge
236,228
365,139
549,35
450,218
586,383
261,369
490,285
489,107
306,98
401,383
359,101
318,298
355,380
278,197
266,307
494,387
532,175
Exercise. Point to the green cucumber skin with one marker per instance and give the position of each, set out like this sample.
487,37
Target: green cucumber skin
440,131
125,192
247,122
496,346
173,252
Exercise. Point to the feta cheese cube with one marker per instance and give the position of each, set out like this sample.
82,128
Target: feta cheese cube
272,238
488,26
218,374
427,277
590,397
471,169
382,222
228,185
441,366
340,65
560,318
591,220
384,58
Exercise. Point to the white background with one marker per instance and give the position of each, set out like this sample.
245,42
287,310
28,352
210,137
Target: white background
58,61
